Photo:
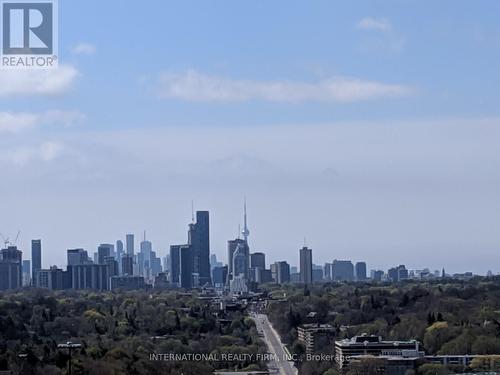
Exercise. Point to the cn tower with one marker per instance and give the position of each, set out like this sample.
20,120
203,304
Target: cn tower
245,230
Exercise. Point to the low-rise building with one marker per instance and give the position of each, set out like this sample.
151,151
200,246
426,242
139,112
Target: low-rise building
374,346
311,334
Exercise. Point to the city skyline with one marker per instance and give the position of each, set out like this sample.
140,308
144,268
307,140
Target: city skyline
353,126
130,239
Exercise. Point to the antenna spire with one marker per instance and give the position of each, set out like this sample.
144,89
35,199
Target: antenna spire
192,211
245,230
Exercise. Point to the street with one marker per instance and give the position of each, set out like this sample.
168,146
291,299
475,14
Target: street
279,364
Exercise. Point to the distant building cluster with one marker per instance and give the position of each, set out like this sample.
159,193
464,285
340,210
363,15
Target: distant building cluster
190,265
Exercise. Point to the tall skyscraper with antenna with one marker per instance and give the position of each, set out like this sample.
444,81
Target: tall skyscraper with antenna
245,230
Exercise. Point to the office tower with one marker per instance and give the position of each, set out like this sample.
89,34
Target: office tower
342,270
129,239
360,269
240,261
306,265
327,271
127,265
119,254
393,274
119,248
112,266
199,240
257,264
402,272
377,275
266,276
26,273
232,245
155,264
258,260
36,256
398,273
317,274
11,269
166,263
282,272
103,251
144,258
274,271
175,264
213,261
186,266
77,256
219,276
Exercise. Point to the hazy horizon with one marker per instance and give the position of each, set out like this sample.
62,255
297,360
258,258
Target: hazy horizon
373,132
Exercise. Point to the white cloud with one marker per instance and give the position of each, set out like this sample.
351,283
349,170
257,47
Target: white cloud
376,24
36,82
14,122
194,86
44,152
84,49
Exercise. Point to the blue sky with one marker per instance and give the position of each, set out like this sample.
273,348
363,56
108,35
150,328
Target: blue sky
368,129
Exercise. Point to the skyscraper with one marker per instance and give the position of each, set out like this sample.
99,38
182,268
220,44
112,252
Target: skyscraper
103,251
144,257
175,259
11,269
232,245
282,272
199,240
77,256
258,260
127,265
36,257
119,254
240,261
130,243
360,269
327,271
306,265
186,266
343,270
26,272
119,248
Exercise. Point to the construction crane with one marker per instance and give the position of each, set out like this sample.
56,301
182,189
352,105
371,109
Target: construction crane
7,242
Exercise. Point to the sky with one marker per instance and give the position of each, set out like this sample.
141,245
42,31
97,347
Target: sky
369,131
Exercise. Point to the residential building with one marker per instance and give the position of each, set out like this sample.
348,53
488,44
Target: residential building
315,336
306,269
11,269
36,257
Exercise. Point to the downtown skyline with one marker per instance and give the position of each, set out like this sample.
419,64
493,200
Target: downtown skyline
138,240
372,130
